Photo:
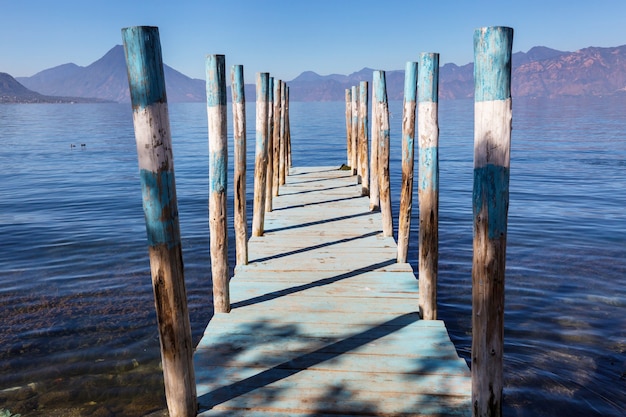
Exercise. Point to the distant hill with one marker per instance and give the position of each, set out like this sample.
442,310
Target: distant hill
540,72
11,91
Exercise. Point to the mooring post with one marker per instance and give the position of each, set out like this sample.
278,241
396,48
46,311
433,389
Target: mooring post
146,81
276,137
260,163
218,168
408,155
269,180
363,139
354,124
492,142
382,113
283,134
428,183
288,132
349,126
373,189
239,136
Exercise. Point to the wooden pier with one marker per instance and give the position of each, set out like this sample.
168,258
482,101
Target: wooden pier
324,321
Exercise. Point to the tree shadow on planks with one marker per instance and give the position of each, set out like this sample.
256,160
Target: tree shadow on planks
315,247
318,222
265,397
318,283
318,203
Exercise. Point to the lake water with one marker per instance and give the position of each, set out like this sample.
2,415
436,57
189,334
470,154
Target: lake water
78,333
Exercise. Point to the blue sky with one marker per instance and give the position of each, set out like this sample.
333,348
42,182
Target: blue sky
286,37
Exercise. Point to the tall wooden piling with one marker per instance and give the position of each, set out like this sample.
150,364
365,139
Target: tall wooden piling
156,169
428,183
239,136
283,167
218,168
408,155
260,163
492,141
288,132
349,126
363,139
269,183
276,137
382,113
354,108
373,189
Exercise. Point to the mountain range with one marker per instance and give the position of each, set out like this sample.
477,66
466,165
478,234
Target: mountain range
540,72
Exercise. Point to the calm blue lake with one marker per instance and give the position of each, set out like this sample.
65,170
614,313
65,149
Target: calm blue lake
78,333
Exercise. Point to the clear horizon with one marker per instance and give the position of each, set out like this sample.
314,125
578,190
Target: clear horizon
287,38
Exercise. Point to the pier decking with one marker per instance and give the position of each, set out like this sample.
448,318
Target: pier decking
324,321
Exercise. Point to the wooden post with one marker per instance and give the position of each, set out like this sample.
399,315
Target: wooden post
239,135
363,139
288,132
269,180
283,134
349,126
492,142
156,169
276,137
408,154
382,113
260,163
428,183
218,168
354,134
373,189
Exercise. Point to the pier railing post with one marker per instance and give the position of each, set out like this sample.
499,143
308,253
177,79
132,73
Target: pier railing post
260,163
382,113
355,130
239,136
492,141
218,179
156,169
276,137
363,139
408,155
428,183
269,183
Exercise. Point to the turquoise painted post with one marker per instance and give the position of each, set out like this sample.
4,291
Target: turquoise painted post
260,163
382,113
239,135
428,181
492,142
146,81
363,139
218,168
408,137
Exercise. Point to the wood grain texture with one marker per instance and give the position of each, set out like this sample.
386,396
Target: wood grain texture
325,321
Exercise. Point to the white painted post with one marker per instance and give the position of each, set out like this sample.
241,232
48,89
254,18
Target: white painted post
146,81
428,134
239,135
492,143
408,137
260,163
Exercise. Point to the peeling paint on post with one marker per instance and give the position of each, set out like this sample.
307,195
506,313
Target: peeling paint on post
492,142
373,189
382,113
349,126
354,124
283,134
156,166
218,168
260,163
408,153
269,181
276,137
363,139
428,183
239,136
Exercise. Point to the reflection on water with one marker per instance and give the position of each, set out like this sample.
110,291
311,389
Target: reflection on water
79,336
